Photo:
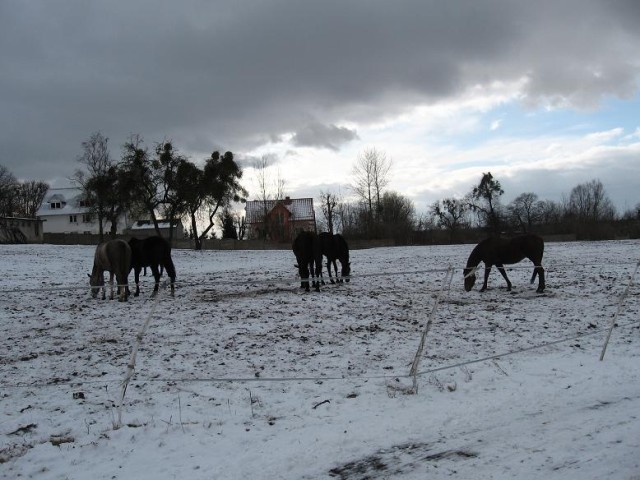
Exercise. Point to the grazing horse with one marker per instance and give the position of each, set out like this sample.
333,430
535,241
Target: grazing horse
500,251
306,248
335,247
114,257
152,252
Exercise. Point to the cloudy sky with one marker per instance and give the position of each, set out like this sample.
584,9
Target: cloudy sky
543,94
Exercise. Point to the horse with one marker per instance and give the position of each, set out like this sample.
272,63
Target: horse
152,252
335,247
113,256
500,251
306,248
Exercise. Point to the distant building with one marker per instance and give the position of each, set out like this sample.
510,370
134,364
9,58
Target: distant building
145,228
20,230
64,211
283,220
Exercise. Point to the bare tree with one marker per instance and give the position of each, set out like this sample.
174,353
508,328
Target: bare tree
30,196
329,206
589,202
371,176
269,189
525,210
450,215
550,212
95,179
240,222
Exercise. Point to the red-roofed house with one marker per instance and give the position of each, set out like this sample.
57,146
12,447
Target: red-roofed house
284,218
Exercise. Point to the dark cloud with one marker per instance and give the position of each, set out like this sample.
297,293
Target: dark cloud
323,136
236,75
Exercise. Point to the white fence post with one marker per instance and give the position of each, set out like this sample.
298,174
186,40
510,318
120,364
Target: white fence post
446,282
131,366
615,317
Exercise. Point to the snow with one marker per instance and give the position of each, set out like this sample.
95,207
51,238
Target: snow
244,375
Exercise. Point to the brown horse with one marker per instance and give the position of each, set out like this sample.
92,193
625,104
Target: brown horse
500,251
114,257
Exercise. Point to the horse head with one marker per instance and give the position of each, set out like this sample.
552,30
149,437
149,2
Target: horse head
346,270
469,278
96,281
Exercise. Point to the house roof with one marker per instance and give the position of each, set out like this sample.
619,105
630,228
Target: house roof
146,224
69,199
300,208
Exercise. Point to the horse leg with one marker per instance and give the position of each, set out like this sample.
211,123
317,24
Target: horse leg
156,277
172,278
541,284
335,268
487,271
317,268
539,271
122,288
329,270
110,285
104,291
504,274
136,273
319,274
304,276
315,279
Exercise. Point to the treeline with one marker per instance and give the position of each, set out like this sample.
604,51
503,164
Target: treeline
158,183
586,212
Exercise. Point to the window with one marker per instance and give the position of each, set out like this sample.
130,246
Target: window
73,219
86,218
56,205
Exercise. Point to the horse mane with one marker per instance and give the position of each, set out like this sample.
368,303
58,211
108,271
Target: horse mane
475,257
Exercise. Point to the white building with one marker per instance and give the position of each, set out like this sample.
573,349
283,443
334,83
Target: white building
64,211
146,228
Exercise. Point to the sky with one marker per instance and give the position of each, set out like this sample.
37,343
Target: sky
544,95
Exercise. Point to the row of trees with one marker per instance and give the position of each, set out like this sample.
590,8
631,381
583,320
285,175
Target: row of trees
20,199
587,211
378,213
159,182
162,183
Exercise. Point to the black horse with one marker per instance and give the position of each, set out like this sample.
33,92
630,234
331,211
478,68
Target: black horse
335,247
152,252
306,248
500,251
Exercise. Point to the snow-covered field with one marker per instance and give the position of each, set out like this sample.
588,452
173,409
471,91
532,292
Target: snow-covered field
236,379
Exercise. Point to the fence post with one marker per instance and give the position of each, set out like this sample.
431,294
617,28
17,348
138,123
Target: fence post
131,366
416,360
615,317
